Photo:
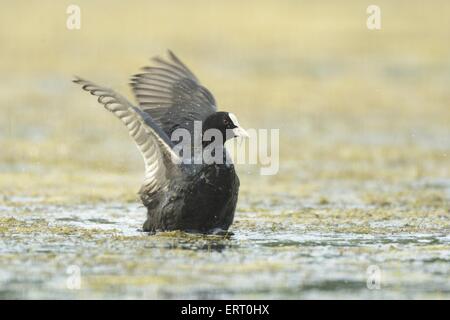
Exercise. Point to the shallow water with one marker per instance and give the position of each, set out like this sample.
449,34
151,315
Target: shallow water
278,253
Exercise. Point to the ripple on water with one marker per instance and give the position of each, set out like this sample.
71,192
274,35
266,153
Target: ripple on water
258,261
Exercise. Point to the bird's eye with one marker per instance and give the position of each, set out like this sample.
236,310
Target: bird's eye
225,121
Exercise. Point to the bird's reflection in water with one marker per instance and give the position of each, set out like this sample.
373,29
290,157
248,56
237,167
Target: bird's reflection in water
194,241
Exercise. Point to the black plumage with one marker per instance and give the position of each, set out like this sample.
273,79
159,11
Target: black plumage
178,193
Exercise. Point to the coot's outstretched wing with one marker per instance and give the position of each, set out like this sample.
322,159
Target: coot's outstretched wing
153,143
172,95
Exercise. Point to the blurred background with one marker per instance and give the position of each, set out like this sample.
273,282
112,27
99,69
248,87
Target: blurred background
364,119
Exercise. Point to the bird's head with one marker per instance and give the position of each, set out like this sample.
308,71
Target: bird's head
227,123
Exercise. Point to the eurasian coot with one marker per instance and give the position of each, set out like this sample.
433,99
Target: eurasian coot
179,192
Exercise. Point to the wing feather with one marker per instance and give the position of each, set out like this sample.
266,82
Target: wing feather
171,94
152,142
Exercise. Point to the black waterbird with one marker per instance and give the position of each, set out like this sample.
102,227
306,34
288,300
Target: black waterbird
178,194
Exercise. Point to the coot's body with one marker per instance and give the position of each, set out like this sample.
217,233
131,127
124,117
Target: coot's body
178,194
205,204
